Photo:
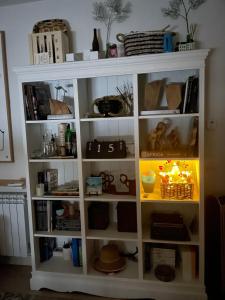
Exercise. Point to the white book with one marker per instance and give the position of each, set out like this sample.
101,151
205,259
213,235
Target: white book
49,215
60,117
159,112
185,96
188,258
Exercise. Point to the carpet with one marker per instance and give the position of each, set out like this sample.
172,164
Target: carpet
13,296
54,296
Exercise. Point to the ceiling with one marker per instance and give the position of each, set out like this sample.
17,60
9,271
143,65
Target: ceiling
11,2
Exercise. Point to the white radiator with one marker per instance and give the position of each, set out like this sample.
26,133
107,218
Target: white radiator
13,225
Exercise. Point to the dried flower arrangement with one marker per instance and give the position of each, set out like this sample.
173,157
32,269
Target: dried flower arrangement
182,8
111,11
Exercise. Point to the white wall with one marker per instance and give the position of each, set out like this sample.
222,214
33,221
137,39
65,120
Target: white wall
17,21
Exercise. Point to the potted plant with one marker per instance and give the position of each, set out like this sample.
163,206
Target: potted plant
182,8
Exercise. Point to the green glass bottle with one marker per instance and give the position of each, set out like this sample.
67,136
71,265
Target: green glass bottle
95,44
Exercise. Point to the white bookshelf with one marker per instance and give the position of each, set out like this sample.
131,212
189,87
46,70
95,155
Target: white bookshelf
88,81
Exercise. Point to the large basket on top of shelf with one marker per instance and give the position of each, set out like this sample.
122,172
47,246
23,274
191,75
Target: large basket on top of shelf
177,191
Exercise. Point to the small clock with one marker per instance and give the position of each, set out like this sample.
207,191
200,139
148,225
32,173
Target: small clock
111,149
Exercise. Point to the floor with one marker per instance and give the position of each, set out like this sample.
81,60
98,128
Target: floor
14,278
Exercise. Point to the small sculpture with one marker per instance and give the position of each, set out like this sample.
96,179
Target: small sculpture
157,139
173,139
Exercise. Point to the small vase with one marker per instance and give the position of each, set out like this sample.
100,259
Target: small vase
107,50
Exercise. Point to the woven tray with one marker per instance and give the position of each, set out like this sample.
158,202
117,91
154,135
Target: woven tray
177,190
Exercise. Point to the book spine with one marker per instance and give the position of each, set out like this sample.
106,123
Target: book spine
190,79
41,215
28,93
185,96
49,215
80,252
75,252
188,258
193,107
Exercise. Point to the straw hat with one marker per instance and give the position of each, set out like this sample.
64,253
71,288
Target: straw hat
109,260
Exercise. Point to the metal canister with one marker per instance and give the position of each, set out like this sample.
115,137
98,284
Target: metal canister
61,134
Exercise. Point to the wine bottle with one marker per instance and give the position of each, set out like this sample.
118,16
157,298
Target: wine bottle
95,44
68,145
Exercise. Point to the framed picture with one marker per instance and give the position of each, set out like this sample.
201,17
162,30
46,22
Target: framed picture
94,185
6,150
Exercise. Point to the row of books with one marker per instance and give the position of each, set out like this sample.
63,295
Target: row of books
36,97
189,102
47,220
44,215
48,244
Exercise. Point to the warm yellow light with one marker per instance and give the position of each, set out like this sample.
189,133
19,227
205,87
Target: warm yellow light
175,175
186,172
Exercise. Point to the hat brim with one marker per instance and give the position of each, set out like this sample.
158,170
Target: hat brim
117,266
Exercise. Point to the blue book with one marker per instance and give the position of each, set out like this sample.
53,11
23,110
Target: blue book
75,252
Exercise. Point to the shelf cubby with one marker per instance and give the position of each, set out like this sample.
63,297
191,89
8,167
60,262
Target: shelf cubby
172,254
131,267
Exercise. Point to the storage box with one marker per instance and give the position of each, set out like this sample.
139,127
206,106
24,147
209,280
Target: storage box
168,226
163,256
48,47
126,217
98,215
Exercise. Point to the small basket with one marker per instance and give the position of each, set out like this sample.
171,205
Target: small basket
187,46
177,190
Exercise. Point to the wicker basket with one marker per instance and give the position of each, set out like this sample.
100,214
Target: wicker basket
177,190
145,42
51,25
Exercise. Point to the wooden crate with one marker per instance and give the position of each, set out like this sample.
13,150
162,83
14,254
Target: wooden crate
48,47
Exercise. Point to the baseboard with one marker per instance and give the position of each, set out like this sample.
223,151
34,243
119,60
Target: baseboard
12,260
125,288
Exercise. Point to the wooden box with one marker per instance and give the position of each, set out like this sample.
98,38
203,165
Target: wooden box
48,47
98,215
126,217
111,149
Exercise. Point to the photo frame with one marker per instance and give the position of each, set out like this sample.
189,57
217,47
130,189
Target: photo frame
6,146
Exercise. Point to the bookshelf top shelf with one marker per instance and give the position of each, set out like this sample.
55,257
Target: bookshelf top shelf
131,65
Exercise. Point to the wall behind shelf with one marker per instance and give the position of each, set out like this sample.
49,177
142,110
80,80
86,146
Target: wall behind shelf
18,20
